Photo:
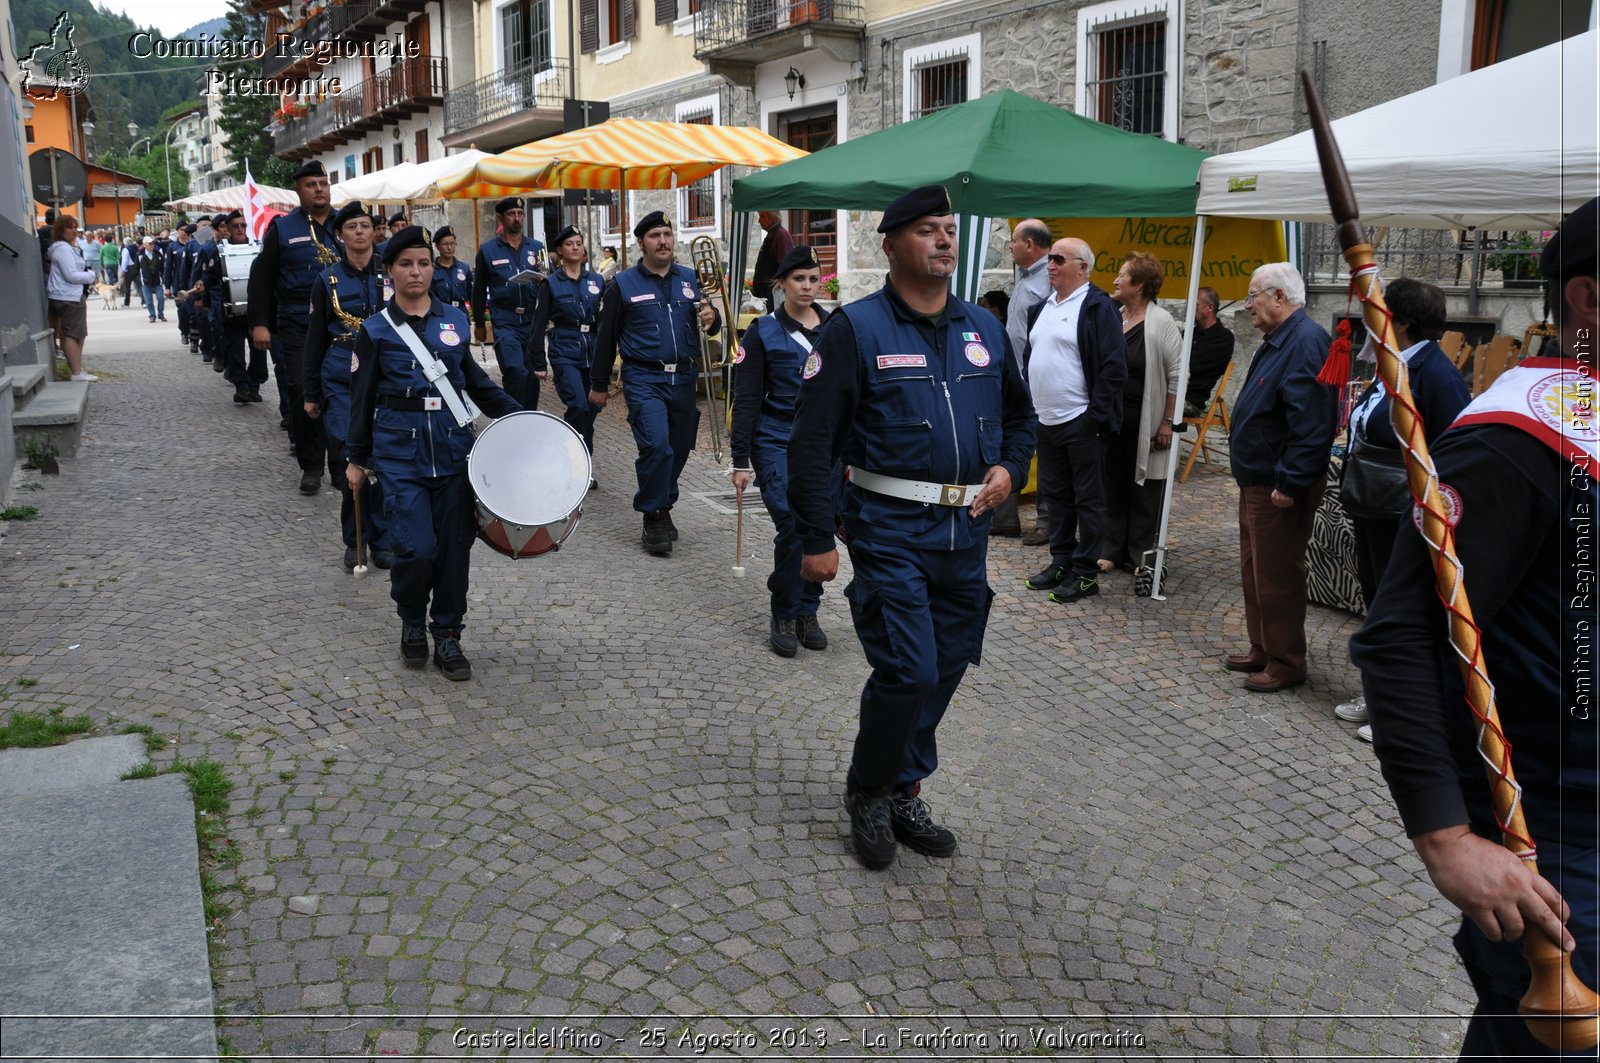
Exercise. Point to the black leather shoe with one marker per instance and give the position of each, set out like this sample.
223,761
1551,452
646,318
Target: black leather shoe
255,396
448,656
1082,587
871,828
672,529
310,482
594,485
1053,576
241,397
1039,536
414,644
657,536
218,365
382,559
349,559
784,642
914,827
810,632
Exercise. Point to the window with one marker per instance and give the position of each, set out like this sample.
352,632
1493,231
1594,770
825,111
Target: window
697,203
526,38
1502,29
940,75
1125,51
421,154
605,27
399,153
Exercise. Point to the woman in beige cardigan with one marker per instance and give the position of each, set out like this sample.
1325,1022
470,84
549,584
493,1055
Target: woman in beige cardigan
1136,459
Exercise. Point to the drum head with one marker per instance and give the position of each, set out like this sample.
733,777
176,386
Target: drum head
529,468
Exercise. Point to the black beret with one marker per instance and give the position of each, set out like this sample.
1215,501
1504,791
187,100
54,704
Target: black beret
232,214
799,257
441,232
397,218
191,228
917,203
352,209
404,240
564,235
510,203
654,220
1574,245
219,219
311,169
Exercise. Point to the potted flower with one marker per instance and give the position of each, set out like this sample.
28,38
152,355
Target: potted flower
1517,259
830,286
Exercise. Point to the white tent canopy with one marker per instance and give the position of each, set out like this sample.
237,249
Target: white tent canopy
1510,146
407,181
232,198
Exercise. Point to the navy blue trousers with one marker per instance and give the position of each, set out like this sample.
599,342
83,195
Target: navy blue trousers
431,527
571,378
769,454
665,423
513,349
245,367
920,616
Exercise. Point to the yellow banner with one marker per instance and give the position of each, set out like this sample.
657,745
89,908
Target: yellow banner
1234,248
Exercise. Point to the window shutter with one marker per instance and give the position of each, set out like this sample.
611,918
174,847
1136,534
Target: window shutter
666,11
628,16
588,26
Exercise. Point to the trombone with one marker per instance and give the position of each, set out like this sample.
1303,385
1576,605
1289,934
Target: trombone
708,271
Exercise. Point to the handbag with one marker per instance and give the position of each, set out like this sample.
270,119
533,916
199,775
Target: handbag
1374,485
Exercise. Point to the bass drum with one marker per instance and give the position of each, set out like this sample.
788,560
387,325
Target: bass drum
529,473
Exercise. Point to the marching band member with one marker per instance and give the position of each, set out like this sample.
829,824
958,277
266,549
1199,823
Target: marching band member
452,278
574,313
766,383
233,330
518,309
402,427
347,293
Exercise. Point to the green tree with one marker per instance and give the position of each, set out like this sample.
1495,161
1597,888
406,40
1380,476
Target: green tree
245,117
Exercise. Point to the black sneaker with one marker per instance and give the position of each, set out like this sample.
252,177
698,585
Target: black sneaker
1083,588
811,635
672,529
241,397
784,642
913,824
871,828
1054,576
414,644
310,482
383,559
448,656
657,533
349,559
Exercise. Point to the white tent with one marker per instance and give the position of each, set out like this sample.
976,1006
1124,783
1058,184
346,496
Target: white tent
407,181
232,198
1510,146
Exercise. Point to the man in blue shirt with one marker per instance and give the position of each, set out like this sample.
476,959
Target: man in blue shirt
508,292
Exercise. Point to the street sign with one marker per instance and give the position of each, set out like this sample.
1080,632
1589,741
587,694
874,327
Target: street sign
576,114
57,176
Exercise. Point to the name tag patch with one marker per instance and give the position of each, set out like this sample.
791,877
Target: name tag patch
299,239
899,361
645,298
977,353
500,262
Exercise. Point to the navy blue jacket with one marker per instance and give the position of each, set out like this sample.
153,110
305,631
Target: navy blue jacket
492,289
294,252
451,284
1283,420
1099,332
889,391
1437,388
649,320
766,377
169,271
574,313
330,340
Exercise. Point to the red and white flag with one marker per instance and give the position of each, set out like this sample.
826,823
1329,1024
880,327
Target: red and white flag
256,213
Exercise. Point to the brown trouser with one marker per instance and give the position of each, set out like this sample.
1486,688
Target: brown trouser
1272,567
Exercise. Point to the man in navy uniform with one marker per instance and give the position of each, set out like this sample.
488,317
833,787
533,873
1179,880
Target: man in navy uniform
169,280
394,407
452,278
295,250
518,308
232,330
574,314
919,394
649,316
348,292
186,279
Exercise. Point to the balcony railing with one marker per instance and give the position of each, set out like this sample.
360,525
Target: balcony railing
721,23
354,21
313,28
541,84
408,87
1446,257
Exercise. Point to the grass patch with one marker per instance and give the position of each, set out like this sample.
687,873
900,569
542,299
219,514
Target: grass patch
19,512
36,450
31,485
26,682
153,742
286,776
146,770
33,730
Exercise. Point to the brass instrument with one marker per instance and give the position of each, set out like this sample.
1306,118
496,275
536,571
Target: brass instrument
708,271
326,256
348,320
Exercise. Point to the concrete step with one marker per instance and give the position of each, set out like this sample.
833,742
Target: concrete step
26,382
55,415
102,890
74,766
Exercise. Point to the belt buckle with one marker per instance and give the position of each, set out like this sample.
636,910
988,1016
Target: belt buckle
522,310
669,367
583,328
432,402
952,494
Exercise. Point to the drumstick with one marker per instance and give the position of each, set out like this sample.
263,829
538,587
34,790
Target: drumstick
738,540
361,560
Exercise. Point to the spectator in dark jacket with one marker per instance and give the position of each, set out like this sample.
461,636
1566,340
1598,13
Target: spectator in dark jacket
1283,427
1076,364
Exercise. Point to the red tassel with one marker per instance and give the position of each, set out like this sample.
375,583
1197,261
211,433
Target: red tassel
1336,370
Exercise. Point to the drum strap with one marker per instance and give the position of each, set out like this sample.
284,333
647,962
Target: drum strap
461,408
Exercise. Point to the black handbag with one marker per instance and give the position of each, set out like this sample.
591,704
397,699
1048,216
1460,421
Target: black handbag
1374,485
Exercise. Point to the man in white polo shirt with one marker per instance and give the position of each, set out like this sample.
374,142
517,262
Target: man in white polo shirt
1076,364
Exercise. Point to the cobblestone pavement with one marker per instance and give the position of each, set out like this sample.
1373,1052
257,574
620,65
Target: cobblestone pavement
630,820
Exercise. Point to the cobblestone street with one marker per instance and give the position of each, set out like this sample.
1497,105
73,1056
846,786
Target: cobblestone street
630,822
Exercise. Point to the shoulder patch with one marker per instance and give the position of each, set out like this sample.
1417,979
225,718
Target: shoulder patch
813,366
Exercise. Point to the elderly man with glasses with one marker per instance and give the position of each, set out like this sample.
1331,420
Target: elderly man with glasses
1076,363
1283,427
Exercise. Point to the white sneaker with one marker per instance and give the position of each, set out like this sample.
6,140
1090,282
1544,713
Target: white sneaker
88,378
1364,732
1352,711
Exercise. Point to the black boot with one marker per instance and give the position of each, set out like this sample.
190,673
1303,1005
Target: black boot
810,632
871,827
657,533
414,644
448,656
914,826
784,642
310,482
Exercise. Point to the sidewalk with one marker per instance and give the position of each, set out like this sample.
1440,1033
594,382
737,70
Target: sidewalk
633,810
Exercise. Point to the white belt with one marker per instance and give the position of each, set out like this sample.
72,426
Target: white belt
929,494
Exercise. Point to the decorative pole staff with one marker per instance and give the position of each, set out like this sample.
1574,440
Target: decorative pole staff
1560,1010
